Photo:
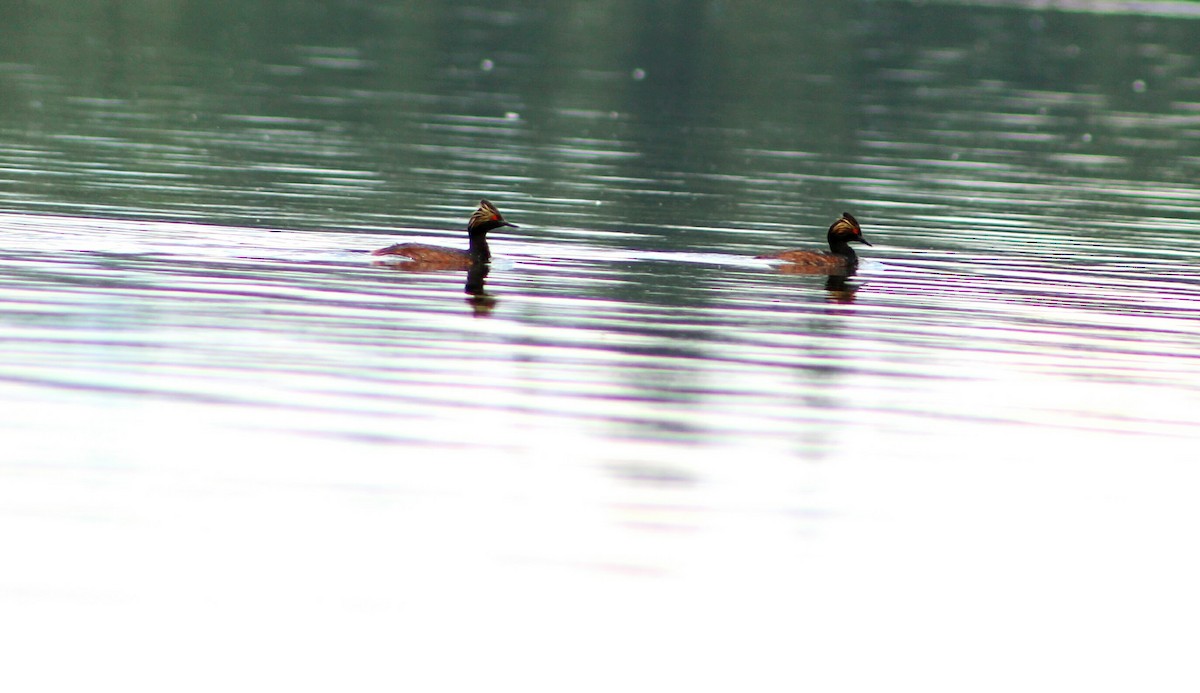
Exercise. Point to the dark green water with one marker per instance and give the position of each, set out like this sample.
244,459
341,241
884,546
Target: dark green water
238,454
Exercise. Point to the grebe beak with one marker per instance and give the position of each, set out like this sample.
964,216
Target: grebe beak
860,239
509,223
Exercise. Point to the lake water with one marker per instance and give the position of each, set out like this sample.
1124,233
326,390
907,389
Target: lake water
239,455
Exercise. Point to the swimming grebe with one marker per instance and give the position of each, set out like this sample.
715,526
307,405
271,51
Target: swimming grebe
840,256
486,218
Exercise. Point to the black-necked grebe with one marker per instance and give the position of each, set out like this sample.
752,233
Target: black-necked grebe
840,256
486,218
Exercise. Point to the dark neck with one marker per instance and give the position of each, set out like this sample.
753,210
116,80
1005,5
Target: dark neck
841,248
478,248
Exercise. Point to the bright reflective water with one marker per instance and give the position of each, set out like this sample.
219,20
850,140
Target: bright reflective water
237,451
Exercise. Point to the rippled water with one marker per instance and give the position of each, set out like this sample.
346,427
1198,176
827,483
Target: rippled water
239,450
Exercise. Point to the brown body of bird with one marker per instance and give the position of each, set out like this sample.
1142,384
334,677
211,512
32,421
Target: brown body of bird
841,256
432,257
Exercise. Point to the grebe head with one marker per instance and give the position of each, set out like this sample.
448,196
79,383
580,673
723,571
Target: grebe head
845,230
486,218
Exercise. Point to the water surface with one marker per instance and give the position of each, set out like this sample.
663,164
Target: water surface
239,451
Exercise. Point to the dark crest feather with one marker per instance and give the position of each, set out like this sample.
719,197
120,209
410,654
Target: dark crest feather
486,212
845,224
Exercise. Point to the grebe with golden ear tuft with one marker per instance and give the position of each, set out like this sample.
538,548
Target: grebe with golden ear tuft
840,256
485,218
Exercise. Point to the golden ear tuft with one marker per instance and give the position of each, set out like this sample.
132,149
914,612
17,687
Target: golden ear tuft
486,212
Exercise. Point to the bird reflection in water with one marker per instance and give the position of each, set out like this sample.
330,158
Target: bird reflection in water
478,298
838,285
840,289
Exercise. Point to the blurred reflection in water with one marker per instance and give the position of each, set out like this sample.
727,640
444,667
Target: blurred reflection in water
479,299
840,289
